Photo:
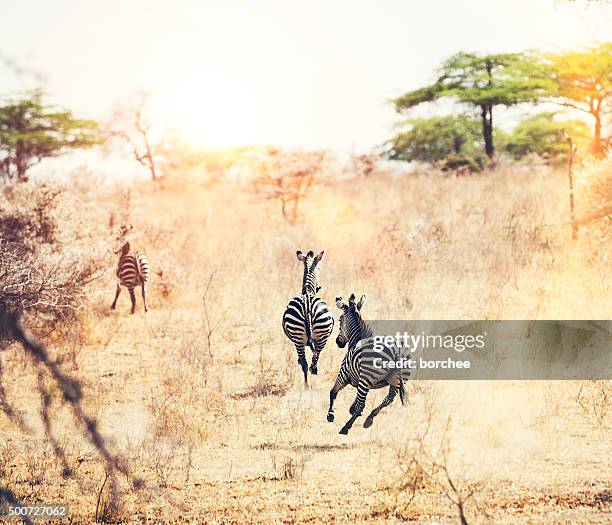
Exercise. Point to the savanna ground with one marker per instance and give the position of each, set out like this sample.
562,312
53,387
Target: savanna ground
202,398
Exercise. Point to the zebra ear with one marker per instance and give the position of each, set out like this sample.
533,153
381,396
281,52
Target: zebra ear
339,303
352,299
319,257
300,255
361,301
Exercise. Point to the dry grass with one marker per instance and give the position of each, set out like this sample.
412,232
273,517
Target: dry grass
202,398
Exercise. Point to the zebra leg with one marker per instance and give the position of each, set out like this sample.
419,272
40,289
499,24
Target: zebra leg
386,402
356,408
302,361
114,305
133,299
313,365
341,382
144,299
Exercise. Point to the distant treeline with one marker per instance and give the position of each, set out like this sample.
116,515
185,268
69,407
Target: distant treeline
578,81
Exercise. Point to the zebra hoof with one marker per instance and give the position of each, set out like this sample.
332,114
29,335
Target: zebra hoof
313,370
368,422
344,431
330,418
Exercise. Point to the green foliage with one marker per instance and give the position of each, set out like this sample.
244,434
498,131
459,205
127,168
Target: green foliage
539,134
491,80
436,139
583,81
31,131
484,81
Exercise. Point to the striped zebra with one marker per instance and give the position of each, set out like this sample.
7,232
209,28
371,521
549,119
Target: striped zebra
307,321
363,365
132,270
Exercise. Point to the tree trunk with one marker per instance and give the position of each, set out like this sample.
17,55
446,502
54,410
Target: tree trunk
21,172
597,147
151,166
457,143
570,176
487,129
21,164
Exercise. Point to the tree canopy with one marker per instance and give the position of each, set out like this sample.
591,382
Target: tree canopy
483,82
437,139
31,131
583,82
539,134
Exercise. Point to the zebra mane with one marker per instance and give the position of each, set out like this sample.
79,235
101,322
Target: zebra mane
358,328
366,330
308,284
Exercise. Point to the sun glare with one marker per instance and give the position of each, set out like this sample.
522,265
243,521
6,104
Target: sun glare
205,97
210,110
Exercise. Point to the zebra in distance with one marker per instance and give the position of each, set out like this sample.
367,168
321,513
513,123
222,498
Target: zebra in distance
307,321
132,269
358,366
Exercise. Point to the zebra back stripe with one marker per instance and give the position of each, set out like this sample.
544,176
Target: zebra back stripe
132,269
127,271
308,317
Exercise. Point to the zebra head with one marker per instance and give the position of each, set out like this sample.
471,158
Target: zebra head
352,326
311,281
121,242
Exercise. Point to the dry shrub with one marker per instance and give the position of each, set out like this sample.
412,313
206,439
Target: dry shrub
594,191
427,468
45,263
287,176
594,398
184,410
289,468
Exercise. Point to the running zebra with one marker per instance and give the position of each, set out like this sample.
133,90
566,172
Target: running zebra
363,365
307,319
132,269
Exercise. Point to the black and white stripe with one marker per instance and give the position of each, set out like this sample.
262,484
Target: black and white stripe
132,271
307,321
361,366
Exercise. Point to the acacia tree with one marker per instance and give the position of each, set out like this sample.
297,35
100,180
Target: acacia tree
583,81
31,131
287,177
483,82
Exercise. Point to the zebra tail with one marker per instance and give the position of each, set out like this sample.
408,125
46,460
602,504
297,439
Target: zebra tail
309,339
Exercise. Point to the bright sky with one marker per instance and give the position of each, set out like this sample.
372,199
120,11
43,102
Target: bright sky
299,74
